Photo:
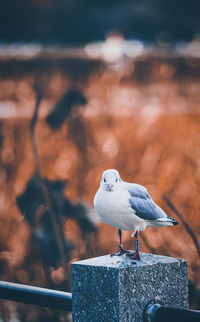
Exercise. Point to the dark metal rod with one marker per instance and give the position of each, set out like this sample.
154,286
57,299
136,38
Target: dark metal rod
154,312
36,296
165,314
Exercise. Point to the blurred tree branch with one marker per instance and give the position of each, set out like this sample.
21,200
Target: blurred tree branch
144,239
151,248
184,222
55,224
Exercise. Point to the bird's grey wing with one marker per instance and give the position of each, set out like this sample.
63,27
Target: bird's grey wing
138,191
143,205
146,209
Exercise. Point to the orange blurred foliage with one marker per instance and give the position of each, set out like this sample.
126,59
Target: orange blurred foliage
145,124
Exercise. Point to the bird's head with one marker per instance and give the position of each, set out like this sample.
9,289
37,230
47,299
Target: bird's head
111,180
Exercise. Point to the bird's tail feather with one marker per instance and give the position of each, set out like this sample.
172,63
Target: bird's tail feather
172,220
169,221
163,222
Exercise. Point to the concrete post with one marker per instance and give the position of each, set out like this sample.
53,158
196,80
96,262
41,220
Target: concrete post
118,289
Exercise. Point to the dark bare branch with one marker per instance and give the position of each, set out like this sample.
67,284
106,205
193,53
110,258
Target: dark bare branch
184,222
57,229
144,239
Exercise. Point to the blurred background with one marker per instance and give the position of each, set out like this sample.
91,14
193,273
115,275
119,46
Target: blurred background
86,86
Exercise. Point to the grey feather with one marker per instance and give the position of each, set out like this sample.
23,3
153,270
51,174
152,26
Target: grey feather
139,191
142,203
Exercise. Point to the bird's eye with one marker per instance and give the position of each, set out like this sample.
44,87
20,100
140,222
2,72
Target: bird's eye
104,180
116,180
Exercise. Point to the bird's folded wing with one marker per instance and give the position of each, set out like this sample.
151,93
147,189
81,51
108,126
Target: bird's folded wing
142,204
137,190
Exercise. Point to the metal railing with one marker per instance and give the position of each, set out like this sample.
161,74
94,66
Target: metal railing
36,296
155,312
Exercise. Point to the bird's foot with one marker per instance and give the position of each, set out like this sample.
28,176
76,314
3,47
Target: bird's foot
120,252
135,256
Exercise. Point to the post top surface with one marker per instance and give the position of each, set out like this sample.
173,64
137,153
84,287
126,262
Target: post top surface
124,261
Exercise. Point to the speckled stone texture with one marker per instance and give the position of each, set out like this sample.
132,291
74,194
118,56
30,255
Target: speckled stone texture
117,289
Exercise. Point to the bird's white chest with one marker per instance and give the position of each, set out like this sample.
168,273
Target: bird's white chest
113,207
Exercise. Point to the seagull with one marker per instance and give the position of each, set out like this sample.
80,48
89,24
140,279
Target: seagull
128,206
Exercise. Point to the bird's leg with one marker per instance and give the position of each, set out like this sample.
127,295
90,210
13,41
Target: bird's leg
136,254
121,251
